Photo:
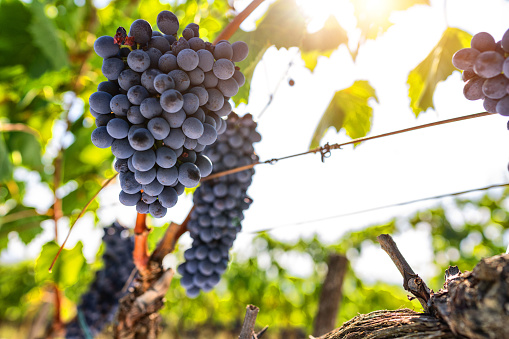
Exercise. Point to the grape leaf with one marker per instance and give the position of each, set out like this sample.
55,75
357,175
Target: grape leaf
284,26
67,268
436,67
348,109
373,17
23,220
5,161
28,147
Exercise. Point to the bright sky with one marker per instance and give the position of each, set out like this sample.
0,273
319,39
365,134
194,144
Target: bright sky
434,161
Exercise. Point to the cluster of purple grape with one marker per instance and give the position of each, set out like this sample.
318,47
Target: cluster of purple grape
485,68
219,205
162,105
99,304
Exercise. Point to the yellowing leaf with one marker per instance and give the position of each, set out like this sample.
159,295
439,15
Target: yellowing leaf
437,66
348,109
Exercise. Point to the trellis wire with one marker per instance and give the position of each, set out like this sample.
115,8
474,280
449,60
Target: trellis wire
378,208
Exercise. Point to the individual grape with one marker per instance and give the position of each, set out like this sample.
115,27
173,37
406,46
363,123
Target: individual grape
210,80
159,128
208,136
239,77
121,148
128,78
204,164
503,106
159,43
495,88
201,93
144,160
157,210
196,43
468,74
100,102
195,27
127,199
141,31
172,101
154,54
483,42
109,87
473,88
188,59
175,120
216,99
188,156
147,79
168,197
222,128
225,110
167,176
141,139
223,50
209,120
505,41
228,87
124,52
179,46
138,60
223,69
117,128
156,33
240,51
190,144
150,108
181,79
101,138
189,174
128,183
163,82
121,165
488,64
148,199
175,139
103,119
188,33
490,105
142,207
154,188
134,115
145,177
206,60
199,114
167,22
137,94
192,128
191,103
105,47
167,63
119,105
179,188
196,76
505,68
166,157
171,39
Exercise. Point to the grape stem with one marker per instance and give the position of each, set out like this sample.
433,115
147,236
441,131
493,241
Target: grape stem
233,26
140,252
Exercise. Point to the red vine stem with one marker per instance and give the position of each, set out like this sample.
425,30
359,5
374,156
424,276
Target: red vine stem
140,252
233,26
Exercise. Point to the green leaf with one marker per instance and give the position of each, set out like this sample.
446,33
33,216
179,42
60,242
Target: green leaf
284,26
28,147
67,268
45,36
5,161
373,17
348,109
437,67
23,220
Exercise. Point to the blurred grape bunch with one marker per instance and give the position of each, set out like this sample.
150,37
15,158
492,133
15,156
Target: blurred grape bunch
99,305
162,105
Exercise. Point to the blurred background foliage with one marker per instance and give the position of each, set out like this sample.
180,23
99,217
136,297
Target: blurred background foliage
48,70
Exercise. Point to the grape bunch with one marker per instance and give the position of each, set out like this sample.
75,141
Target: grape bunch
162,104
99,304
219,204
485,67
